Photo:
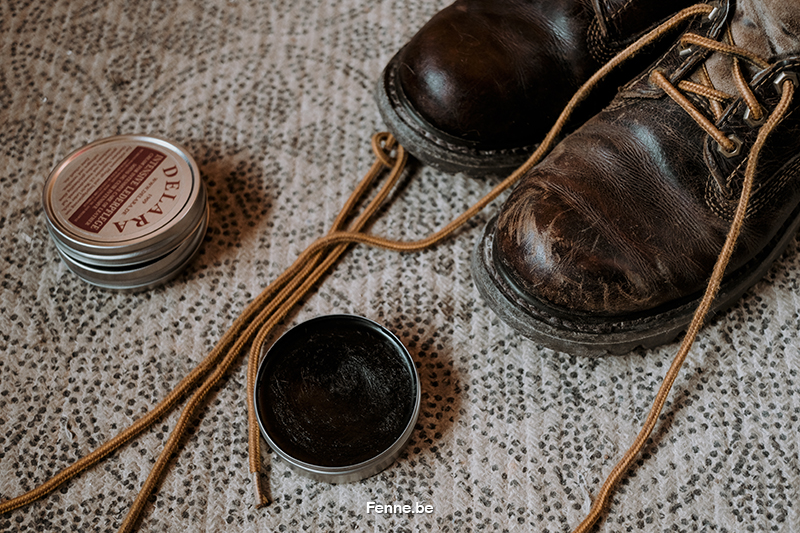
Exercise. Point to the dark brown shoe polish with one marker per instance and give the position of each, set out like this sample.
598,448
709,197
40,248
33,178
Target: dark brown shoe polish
337,397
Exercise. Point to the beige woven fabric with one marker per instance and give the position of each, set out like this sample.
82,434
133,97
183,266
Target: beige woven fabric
274,101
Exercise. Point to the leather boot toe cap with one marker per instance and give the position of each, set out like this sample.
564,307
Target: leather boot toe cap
578,237
495,74
579,271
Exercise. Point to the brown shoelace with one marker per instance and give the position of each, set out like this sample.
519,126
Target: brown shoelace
716,97
728,146
274,303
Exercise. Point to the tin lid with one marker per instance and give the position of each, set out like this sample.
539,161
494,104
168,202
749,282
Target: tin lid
337,397
123,200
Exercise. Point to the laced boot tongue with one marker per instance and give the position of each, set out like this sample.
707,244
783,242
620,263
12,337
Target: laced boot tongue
761,27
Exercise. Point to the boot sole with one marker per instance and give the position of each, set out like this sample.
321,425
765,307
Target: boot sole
432,146
587,334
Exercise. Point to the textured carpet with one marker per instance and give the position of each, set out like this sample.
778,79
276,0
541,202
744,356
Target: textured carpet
273,99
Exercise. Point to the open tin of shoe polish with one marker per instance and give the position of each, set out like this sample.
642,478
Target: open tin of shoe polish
126,212
337,397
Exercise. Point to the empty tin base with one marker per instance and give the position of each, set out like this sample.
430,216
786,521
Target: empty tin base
337,397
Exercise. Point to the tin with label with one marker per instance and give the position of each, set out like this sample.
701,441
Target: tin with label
126,212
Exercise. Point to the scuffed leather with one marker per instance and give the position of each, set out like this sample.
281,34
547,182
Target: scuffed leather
630,212
498,72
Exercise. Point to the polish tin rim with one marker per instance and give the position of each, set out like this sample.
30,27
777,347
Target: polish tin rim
320,366
143,275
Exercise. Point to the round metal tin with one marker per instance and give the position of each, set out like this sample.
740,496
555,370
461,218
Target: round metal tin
337,397
127,211
140,276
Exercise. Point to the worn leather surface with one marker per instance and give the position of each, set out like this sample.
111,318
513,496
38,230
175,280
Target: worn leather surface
630,212
499,72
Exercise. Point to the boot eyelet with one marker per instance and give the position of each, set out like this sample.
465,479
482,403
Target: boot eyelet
737,149
782,77
752,122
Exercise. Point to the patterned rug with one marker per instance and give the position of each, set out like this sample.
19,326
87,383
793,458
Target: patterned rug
274,101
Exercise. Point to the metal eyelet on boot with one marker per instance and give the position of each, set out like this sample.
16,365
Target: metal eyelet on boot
685,50
736,150
782,77
753,122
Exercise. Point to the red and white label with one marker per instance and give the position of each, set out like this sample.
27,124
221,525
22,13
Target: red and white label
121,191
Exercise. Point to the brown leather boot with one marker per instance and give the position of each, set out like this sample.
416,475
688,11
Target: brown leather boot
483,81
609,242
